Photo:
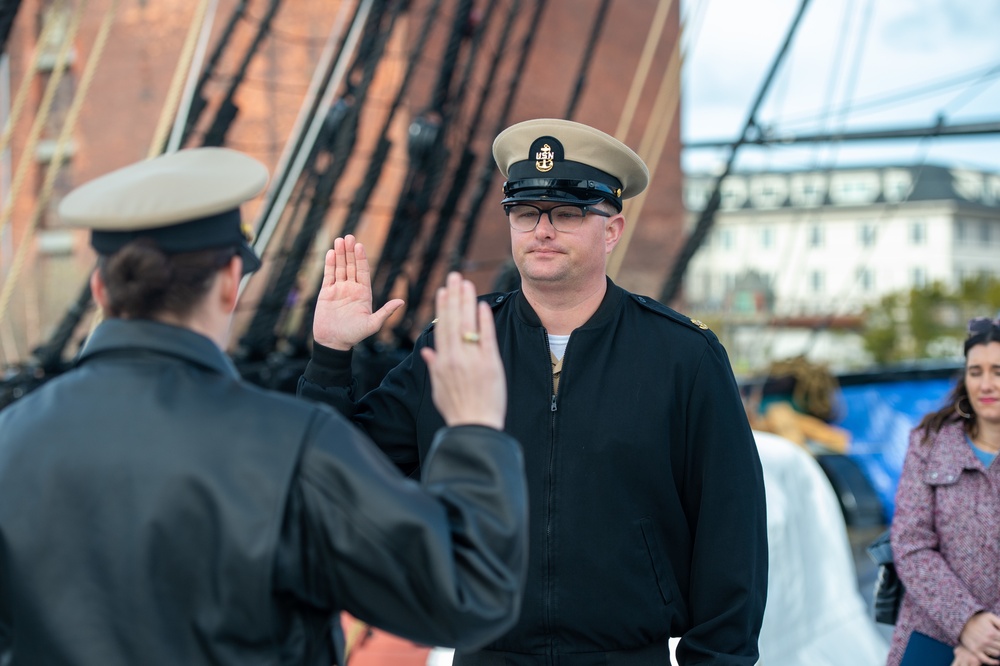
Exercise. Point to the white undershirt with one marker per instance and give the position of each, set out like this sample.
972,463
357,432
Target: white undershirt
557,343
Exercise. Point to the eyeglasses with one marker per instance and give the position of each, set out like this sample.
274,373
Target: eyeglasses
981,325
566,218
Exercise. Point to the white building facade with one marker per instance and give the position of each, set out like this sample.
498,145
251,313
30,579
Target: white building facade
818,245
831,242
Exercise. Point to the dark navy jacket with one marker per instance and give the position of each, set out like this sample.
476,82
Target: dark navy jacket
645,488
154,509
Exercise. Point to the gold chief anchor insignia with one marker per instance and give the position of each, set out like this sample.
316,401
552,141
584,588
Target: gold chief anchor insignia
544,159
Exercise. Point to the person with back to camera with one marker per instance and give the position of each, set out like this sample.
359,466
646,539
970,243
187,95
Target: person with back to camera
646,496
157,510
946,527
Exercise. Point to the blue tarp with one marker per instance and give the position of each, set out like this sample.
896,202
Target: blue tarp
879,417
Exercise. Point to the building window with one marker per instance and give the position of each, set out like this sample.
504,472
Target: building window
767,237
918,232
816,281
896,185
961,231
724,238
991,193
918,278
867,234
768,191
815,236
807,189
855,187
696,196
984,232
734,193
865,279
706,285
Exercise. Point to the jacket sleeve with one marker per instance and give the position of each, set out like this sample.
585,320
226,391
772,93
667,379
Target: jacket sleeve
440,562
328,379
723,494
928,579
389,415
5,640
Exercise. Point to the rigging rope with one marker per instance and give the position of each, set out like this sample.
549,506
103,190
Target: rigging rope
642,69
432,251
488,170
57,158
588,55
31,144
183,113
653,39
707,217
280,191
170,106
426,169
25,87
377,160
215,135
338,145
199,104
651,148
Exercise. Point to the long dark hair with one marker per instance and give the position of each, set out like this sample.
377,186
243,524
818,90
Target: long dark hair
932,422
981,332
143,282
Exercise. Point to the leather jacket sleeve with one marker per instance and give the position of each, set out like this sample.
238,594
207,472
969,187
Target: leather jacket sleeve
5,646
440,562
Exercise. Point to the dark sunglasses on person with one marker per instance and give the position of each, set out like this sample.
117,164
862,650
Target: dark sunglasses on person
525,217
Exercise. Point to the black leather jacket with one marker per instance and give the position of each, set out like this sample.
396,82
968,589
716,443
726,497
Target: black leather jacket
646,491
154,509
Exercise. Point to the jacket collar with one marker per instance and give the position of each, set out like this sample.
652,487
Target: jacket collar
951,453
117,335
605,311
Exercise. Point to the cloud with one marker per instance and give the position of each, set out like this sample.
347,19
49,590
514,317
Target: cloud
852,64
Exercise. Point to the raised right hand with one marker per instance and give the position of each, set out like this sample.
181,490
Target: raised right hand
344,316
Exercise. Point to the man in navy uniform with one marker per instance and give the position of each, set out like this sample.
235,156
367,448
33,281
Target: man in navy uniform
647,515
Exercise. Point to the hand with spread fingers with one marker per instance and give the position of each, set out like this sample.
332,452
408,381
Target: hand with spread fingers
343,315
468,383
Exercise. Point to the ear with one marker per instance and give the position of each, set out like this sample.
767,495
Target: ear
230,277
613,230
98,289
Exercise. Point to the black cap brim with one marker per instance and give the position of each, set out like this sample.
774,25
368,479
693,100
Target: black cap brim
251,262
215,231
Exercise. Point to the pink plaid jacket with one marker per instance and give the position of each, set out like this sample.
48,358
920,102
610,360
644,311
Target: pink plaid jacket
945,538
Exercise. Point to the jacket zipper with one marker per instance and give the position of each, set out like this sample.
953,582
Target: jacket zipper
550,499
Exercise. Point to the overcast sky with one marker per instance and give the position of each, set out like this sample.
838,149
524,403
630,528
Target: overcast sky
852,65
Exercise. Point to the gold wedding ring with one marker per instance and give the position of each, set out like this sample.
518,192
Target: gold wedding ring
470,336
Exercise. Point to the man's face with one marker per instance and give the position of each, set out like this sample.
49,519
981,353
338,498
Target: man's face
545,255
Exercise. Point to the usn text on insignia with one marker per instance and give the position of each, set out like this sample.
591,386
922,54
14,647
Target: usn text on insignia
544,159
